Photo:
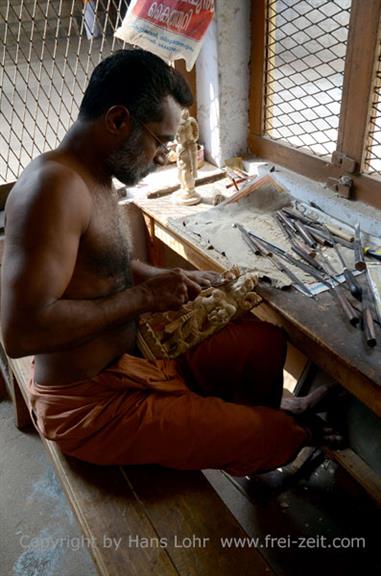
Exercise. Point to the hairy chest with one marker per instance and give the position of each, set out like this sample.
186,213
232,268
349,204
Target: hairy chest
103,256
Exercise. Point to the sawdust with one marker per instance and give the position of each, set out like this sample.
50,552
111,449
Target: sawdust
213,230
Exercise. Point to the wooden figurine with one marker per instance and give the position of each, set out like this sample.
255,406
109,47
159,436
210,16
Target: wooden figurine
169,334
186,150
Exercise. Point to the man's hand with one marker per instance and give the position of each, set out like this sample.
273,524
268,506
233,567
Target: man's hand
169,290
203,278
143,272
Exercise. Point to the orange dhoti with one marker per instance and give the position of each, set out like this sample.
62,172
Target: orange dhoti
217,406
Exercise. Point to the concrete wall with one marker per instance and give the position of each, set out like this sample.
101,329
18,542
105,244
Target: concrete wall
223,81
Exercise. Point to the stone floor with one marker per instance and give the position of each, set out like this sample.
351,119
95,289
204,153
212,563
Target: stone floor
39,534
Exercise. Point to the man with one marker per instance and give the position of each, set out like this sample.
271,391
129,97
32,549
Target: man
71,295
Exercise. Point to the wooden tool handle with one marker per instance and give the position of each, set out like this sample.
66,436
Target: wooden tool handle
368,325
340,233
347,308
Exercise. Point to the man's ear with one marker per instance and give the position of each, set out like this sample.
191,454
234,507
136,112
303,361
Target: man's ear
118,120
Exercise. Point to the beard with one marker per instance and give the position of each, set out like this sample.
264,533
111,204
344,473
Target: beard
129,163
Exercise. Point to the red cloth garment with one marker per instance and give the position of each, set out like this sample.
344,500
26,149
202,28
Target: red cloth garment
217,406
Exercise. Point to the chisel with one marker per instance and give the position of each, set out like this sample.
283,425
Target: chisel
359,253
305,234
367,319
355,288
249,241
288,228
296,214
289,224
258,247
319,235
344,303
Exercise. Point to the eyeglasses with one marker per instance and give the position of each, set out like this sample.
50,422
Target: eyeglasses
164,150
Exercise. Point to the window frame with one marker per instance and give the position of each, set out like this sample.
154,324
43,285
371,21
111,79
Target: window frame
358,85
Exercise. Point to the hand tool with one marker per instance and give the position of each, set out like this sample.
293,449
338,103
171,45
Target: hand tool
374,252
342,234
303,254
373,272
258,246
327,262
319,235
317,207
355,288
367,319
305,235
296,214
344,302
286,222
359,253
288,228
370,294
249,241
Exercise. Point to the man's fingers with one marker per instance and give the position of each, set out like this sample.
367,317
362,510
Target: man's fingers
193,287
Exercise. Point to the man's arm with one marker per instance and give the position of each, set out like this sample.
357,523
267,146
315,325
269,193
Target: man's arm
45,223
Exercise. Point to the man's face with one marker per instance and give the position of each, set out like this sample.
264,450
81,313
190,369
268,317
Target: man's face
141,153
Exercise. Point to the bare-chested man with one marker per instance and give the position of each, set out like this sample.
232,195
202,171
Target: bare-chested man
71,295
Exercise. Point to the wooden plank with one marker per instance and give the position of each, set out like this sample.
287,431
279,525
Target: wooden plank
187,250
106,507
306,164
359,75
359,470
183,507
257,67
365,188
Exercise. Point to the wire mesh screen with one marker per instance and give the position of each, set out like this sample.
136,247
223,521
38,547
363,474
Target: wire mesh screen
49,51
305,56
372,163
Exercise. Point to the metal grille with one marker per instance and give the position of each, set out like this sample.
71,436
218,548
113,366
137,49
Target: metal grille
49,51
306,46
372,164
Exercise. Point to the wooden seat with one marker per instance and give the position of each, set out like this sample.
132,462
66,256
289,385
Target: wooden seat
167,522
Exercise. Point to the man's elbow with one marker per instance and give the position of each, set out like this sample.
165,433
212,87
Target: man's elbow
13,345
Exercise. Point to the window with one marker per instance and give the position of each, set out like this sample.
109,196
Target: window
315,91
50,48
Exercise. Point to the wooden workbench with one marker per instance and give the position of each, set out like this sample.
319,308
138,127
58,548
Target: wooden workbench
316,328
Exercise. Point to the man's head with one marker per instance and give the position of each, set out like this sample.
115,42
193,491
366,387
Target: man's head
139,99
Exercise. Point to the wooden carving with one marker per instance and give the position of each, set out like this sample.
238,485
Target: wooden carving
169,334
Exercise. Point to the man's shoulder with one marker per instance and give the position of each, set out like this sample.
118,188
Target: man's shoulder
48,179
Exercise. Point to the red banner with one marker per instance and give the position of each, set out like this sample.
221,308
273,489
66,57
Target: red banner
190,18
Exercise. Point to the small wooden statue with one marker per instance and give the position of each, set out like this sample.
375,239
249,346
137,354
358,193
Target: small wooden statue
169,334
186,150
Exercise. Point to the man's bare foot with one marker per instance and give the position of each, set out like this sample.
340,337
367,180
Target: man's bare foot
301,404
320,433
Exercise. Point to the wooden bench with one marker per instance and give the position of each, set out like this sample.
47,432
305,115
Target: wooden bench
142,505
